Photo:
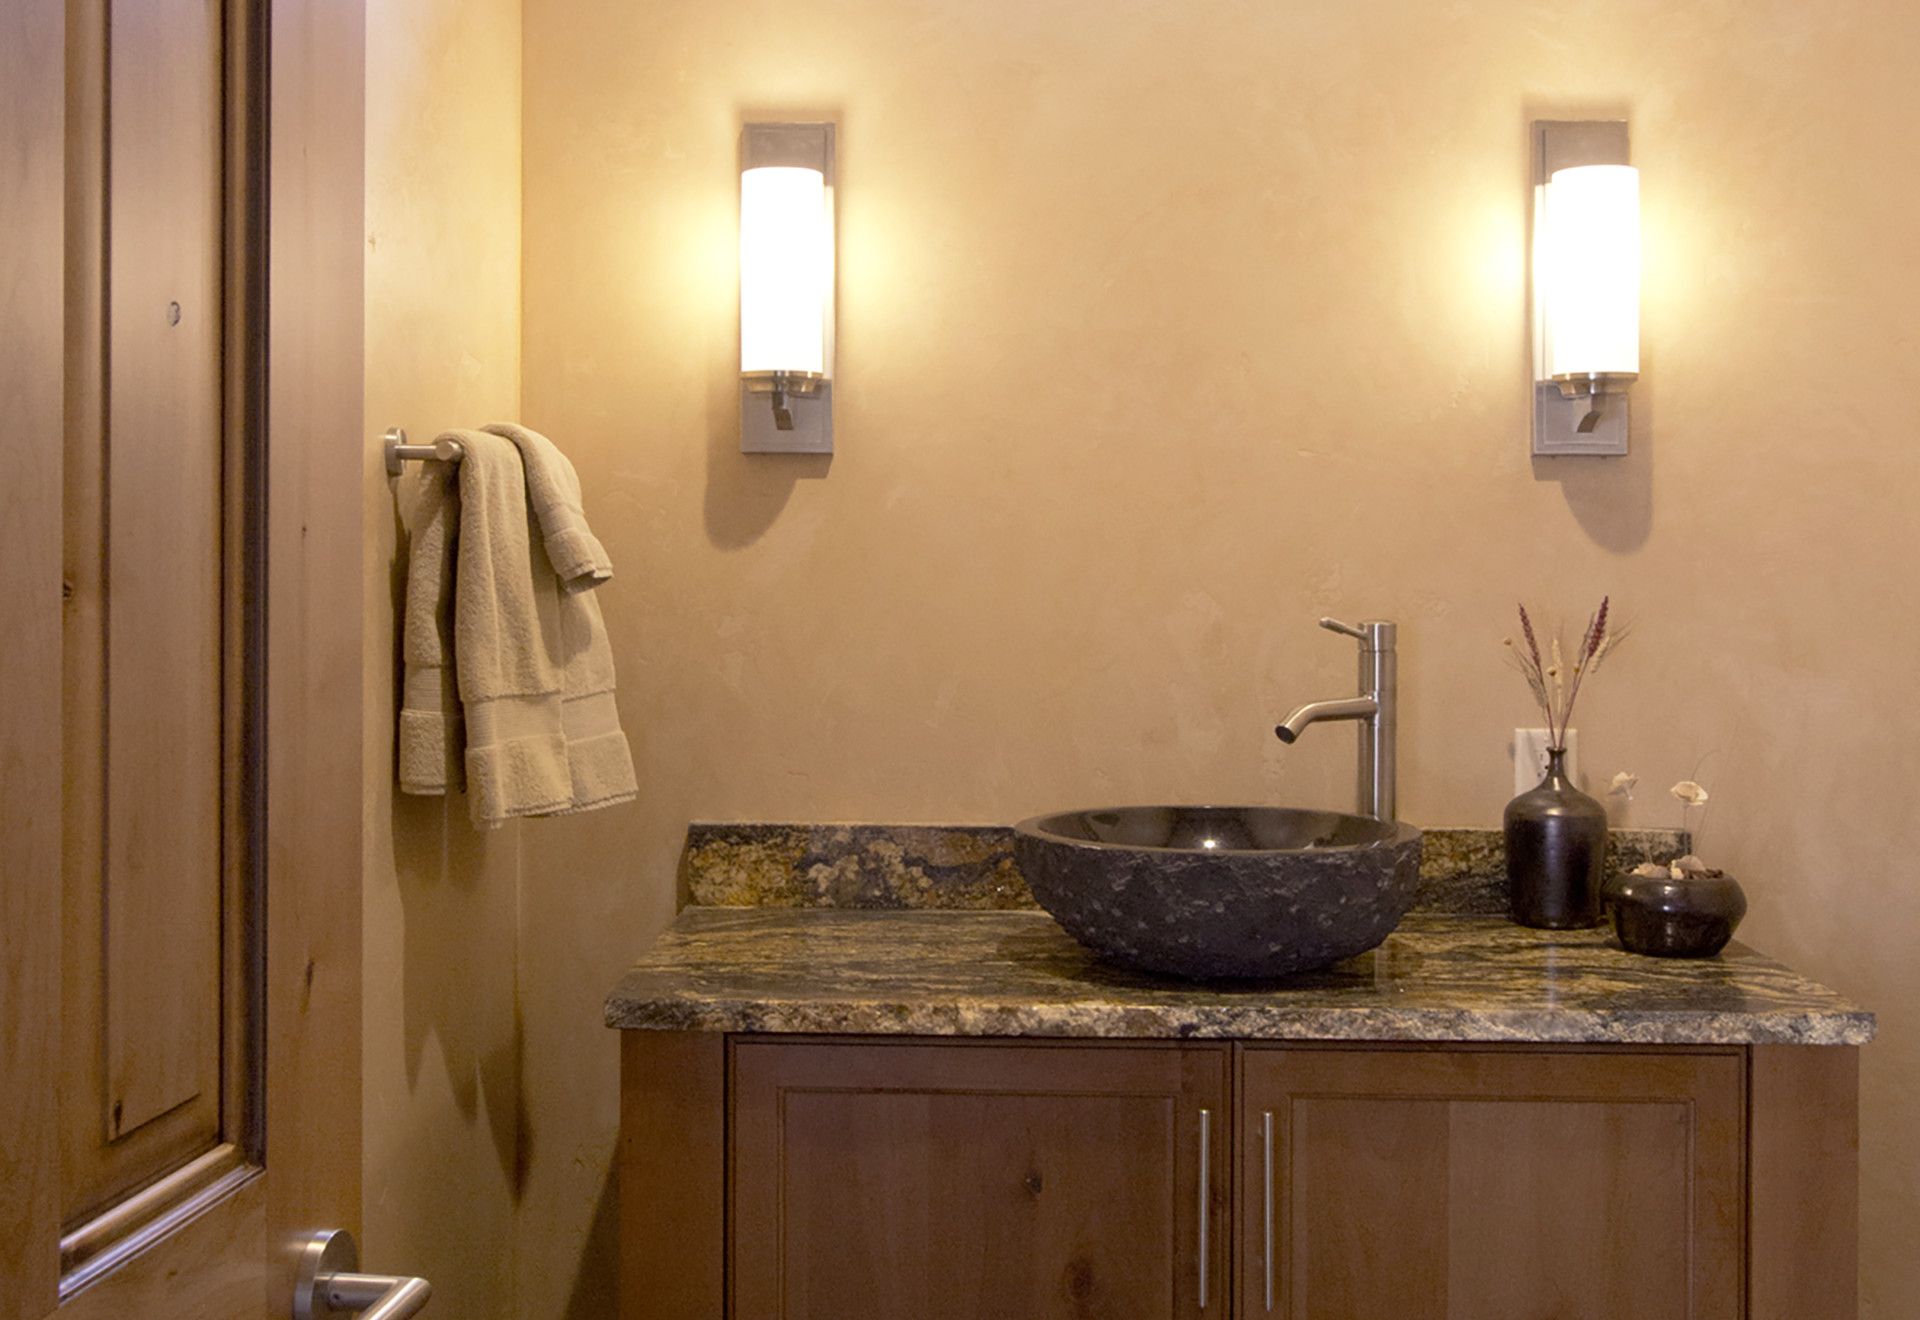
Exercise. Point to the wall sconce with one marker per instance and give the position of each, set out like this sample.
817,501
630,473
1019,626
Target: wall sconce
786,289
1586,286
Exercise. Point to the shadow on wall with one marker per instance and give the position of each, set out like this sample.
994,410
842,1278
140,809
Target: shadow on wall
1611,498
443,866
446,872
595,1292
745,492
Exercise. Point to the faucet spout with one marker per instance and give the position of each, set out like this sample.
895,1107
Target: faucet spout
1376,708
1342,708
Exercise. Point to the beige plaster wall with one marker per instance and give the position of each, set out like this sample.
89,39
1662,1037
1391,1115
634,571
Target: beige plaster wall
441,1037
1164,328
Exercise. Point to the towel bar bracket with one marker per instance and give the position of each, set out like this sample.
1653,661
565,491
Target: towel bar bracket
400,452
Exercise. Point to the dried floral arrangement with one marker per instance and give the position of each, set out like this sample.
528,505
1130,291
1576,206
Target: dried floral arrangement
1690,795
1556,683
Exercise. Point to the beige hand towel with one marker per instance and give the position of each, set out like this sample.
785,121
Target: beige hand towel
507,646
430,734
553,493
533,664
598,757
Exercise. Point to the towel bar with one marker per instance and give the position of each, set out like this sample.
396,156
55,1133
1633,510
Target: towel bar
399,451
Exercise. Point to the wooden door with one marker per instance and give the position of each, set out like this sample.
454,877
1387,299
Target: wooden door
956,1180
179,649
1469,1184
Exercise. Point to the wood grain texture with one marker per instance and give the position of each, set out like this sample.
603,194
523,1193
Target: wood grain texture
1495,1185
32,36
673,1175
1803,1210
1597,1198
234,1260
214,1268
932,1181
1366,1174
318,456
163,571
97,1167
230,1260
97,1238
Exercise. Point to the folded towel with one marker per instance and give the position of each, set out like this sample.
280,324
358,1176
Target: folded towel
533,666
430,733
507,647
598,758
553,493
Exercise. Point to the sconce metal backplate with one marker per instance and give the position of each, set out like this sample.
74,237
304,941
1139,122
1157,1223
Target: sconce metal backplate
1559,144
807,403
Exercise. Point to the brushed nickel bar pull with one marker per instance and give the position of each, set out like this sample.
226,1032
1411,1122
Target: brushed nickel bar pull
1266,1142
1206,1178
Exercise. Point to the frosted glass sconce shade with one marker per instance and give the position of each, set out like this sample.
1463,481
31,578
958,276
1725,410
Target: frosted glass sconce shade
1590,272
786,270
786,288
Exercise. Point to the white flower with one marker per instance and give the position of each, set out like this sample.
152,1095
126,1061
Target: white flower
1690,793
1623,785
1685,866
1652,870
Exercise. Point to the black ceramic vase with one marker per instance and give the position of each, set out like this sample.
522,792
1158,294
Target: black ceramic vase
1691,917
1556,852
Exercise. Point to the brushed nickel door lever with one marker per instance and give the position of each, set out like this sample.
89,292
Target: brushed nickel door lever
328,1285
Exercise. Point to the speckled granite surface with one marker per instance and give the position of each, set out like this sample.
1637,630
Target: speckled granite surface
858,866
1439,977
972,867
1465,870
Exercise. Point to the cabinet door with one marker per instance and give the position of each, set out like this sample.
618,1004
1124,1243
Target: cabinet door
1380,1184
955,1181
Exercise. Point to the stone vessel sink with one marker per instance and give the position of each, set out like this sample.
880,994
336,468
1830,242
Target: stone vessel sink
1218,892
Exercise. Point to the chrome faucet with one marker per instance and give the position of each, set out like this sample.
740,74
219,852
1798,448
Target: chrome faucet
1377,705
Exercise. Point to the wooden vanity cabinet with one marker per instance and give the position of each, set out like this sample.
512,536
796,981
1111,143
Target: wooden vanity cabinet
956,1180
864,1178
1494,1185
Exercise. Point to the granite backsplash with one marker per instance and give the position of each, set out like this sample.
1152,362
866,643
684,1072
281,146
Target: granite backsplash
971,867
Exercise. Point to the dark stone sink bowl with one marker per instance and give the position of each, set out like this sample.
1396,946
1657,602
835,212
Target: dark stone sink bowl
1221,892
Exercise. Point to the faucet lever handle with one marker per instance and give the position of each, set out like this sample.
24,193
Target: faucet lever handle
1346,629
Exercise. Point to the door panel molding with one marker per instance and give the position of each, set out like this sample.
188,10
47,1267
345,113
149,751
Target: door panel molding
132,1111
213,1267
127,1228
165,438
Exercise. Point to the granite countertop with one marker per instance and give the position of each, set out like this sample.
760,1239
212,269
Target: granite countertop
923,931
1440,977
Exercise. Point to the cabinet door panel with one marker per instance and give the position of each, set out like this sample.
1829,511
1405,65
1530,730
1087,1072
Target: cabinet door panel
1483,1185
910,1182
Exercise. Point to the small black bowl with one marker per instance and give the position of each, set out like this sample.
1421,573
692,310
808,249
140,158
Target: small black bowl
1692,917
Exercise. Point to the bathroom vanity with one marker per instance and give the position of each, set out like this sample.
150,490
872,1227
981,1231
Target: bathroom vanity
836,1110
